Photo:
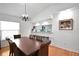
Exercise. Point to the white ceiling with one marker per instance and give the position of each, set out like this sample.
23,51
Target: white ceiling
33,9
17,9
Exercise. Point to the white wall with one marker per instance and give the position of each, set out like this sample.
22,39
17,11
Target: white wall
26,28
67,39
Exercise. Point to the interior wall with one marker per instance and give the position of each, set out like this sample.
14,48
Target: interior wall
66,39
26,28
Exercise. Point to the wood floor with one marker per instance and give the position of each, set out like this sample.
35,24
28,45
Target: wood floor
53,51
4,51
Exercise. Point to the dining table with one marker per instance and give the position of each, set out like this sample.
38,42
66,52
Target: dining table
26,46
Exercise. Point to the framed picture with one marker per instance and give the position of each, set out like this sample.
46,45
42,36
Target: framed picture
42,28
66,24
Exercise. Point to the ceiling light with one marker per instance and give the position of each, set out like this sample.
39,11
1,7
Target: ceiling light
25,17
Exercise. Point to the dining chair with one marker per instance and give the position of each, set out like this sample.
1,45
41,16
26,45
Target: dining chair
11,43
39,38
17,36
30,36
43,51
33,36
45,38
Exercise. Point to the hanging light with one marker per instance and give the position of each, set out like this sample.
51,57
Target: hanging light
25,15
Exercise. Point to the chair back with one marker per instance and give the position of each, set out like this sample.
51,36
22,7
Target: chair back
9,41
39,38
11,46
45,38
17,36
32,37
45,44
44,48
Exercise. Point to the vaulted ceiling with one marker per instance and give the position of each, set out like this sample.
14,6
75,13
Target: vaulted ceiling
32,9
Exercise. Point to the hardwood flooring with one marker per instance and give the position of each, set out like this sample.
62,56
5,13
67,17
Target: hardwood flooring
53,51
4,51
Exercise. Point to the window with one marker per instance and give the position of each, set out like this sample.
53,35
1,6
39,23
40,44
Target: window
8,29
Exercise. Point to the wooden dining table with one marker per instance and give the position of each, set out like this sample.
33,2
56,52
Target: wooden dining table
27,46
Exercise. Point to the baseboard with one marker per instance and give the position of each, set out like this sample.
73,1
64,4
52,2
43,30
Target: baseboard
57,51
